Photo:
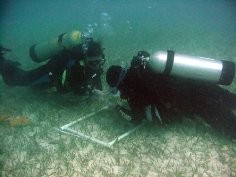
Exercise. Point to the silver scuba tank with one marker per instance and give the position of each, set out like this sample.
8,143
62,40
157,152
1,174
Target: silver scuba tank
192,67
45,50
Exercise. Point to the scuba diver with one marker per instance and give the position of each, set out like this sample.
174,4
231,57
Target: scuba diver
75,65
167,86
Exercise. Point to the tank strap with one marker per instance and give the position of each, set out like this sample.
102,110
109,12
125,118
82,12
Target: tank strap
32,54
227,73
169,62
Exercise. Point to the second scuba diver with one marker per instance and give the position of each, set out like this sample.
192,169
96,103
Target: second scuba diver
75,65
165,86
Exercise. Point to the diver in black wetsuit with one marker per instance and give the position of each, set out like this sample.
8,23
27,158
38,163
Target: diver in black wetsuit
166,97
77,69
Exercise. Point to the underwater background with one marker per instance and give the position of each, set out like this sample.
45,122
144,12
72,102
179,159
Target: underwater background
205,28
190,148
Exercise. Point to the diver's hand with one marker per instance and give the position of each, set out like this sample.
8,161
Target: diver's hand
124,113
100,95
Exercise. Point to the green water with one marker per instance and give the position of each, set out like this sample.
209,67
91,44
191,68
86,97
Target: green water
205,28
181,148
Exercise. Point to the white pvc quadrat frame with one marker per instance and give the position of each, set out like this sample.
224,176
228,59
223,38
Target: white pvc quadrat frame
67,130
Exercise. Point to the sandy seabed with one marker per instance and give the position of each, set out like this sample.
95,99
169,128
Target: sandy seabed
32,147
180,148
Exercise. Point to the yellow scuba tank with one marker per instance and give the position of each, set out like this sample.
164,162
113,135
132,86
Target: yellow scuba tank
192,67
44,51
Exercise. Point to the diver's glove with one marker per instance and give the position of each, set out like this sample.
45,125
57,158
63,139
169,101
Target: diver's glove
126,114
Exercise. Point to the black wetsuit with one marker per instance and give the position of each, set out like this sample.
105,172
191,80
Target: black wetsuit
177,97
78,77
